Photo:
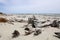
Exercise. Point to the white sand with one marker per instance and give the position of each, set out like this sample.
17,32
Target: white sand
7,29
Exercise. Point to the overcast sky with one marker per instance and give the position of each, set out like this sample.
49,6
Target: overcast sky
30,6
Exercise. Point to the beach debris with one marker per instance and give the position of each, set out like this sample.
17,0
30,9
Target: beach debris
48,20
27,31
59,22
55,24
15,34
43,22
45,26
57,34
37,32
32,21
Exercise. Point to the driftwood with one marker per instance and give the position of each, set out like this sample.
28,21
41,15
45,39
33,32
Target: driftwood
15,34
27,31
32,21
43,22
37,32
59,22
57,34
55,24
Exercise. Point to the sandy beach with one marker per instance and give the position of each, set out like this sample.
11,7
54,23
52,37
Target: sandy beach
6,29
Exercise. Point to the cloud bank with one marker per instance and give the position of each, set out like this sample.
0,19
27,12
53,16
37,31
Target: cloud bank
30,6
